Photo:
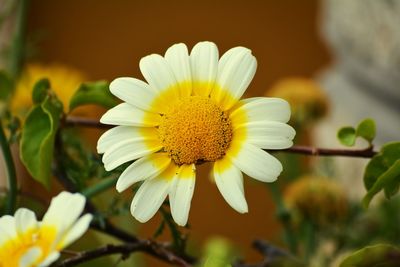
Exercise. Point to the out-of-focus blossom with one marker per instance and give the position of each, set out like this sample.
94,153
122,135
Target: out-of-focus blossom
64,82
318,199
306,98
26,242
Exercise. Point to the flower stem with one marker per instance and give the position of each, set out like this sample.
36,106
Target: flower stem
11,174
284,217
17,46
98,188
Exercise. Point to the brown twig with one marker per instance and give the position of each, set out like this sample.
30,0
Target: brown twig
125,250
305,150
315,151
84,122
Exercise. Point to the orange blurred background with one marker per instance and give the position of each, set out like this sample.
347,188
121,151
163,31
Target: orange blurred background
106,39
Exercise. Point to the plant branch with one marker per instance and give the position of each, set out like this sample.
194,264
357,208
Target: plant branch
84,122
98,187
11,174
147,246
305,150
315,151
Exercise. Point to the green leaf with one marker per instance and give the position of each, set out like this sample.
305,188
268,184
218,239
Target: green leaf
381,255
347,136
93,93
367,130
40,90
6,86
383,172
38,136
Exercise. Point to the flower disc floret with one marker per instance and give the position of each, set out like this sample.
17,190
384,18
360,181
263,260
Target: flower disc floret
195,129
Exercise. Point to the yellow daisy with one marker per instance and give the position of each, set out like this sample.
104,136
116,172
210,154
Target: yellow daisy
189,112
25,242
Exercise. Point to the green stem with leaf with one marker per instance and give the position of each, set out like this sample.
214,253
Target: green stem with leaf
98,188
11,174
284,216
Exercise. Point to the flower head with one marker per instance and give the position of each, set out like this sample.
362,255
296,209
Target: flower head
190,112
25,242
307,99
318,199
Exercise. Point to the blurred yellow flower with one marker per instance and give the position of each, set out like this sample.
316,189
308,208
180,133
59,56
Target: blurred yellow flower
64,81
306,98
25,242
318,199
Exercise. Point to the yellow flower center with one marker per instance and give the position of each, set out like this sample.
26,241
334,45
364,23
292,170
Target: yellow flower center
12,251
195,129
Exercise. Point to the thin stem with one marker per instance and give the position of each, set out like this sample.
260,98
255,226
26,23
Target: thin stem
125,250
11,174
17,51
284,217
84,122
98,188
315,151
309,242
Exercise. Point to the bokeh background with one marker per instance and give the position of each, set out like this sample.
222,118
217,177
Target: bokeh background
106,39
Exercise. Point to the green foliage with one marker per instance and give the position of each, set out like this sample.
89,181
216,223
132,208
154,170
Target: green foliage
383,172
40,90
38,134
78,161
93,93
381,255
347,136
366,129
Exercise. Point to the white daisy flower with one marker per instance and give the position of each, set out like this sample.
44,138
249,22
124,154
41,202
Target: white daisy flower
190,112
25,242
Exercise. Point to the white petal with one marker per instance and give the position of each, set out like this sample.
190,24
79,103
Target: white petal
133,91
268,134
125,114
8,229
30,257
178,58
234,76
229,180
52,257
122,133
260,109
129,149
256,163
157,72
142,169
226,57
181,193
76,231
152,194
64,210
25,220
204,65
